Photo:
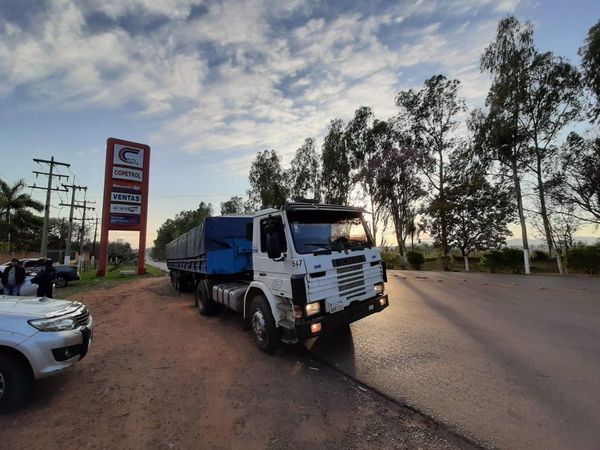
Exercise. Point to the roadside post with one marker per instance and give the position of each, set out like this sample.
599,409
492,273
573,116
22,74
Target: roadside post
125,203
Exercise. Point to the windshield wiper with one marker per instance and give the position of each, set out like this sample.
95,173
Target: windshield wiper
318,244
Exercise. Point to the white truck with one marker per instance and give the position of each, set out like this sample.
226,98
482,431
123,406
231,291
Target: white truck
293,272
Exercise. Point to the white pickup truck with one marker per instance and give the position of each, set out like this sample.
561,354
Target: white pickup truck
38,337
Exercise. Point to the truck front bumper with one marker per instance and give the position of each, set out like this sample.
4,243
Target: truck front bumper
330,322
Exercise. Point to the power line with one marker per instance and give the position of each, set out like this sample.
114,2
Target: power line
50,174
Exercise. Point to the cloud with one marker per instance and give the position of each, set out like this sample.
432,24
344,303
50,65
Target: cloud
234,76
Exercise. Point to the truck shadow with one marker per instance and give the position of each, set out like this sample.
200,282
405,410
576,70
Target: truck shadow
337,348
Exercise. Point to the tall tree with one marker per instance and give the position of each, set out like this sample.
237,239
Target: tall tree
12,202
235,205
431,117
365,139
551,102
336,178
500,134
580,175
479,211
305,172
173,228
590,64
268,186
399,188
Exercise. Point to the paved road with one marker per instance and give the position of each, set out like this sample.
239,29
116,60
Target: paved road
512,361
159,264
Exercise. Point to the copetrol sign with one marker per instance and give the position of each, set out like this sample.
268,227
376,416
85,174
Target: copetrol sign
121,173
128,156
125,204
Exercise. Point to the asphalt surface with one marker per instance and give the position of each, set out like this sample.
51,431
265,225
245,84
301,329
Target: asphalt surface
510,361
159,264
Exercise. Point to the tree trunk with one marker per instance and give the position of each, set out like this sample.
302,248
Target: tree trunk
443,223
544,212
466,257
515,175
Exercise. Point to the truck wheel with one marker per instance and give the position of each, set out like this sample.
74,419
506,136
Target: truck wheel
266,335
15,381
206,305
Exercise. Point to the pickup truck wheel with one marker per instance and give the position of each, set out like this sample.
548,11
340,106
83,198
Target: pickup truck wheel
206,306
15,381
266,334
60,282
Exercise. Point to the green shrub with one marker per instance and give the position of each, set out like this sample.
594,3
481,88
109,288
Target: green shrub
492,260
539,255
513,259
584,259
391,258
507,258
415,259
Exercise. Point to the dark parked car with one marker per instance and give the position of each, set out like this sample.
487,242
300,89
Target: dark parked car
64,273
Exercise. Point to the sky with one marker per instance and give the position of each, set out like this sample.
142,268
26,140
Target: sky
208,84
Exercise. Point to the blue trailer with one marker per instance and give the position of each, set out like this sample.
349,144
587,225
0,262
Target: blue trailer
217,248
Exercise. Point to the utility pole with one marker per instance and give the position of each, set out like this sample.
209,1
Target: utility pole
50,174
72,205
82,235
94,243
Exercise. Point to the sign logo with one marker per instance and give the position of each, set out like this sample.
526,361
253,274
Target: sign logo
127,174
125,209
124,197
128,156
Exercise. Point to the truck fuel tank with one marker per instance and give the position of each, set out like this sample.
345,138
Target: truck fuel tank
230,294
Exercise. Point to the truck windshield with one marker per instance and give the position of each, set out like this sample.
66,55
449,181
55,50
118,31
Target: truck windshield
314,231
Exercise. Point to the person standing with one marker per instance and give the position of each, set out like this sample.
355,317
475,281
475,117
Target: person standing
44,279
13,278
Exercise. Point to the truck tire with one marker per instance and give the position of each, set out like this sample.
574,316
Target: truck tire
206,305
15,382
266,334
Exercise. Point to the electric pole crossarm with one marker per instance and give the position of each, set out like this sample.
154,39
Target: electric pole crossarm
51,161
48,174
45,189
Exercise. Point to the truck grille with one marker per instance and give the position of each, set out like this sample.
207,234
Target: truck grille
351,281
348,283
83,317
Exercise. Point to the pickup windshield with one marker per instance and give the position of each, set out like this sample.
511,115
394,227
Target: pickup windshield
318,230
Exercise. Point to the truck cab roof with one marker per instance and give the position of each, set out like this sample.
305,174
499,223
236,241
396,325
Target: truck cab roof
309,206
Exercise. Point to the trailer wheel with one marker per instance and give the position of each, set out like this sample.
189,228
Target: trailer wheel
266,334
206,305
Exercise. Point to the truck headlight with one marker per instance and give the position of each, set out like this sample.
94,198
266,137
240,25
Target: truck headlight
378,288
312,308
54,324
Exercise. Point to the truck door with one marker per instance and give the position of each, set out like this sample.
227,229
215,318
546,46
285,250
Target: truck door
272,272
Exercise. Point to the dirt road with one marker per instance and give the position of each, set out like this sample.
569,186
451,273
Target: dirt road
159,375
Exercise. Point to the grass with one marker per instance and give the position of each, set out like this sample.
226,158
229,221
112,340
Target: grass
114,276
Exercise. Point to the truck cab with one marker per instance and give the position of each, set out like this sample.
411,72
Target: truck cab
315,269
